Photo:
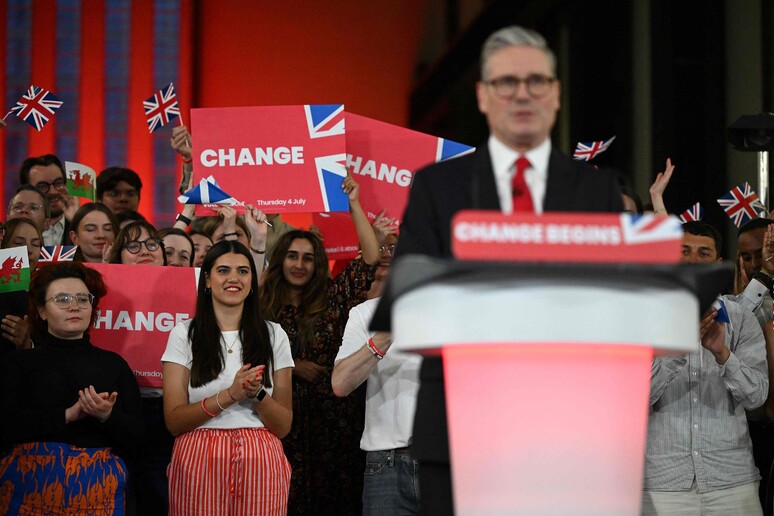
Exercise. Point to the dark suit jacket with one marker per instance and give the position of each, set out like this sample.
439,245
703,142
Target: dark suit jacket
437,193
441,190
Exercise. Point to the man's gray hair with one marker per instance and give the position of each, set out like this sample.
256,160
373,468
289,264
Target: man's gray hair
26,187
515,36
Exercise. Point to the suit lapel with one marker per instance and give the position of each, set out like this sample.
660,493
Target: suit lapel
559,185
484,190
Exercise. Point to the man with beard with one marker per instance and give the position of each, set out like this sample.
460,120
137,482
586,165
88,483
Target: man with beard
47,174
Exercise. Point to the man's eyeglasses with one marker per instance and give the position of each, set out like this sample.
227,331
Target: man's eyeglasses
389,248
134,246
20,207
507,86
43,186
65,300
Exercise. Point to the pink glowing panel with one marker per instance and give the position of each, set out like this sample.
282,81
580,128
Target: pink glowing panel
547,428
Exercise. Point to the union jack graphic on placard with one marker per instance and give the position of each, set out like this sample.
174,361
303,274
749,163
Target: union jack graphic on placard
324,119
57,253
449,149
692,214
741,204
36,106
331,171
161,107
642,229
588,151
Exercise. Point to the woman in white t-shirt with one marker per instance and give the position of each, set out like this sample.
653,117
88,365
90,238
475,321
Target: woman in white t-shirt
227,396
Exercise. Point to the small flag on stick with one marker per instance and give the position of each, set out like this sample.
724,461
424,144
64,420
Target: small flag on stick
741,204
692,214
81,180
161,107
208,192
36,107
588,151
56,253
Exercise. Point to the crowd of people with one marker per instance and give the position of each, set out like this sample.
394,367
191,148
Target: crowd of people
278,399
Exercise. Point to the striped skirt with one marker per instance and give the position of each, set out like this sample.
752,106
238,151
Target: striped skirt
233,472
59,479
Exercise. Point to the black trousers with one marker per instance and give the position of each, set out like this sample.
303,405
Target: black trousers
430,444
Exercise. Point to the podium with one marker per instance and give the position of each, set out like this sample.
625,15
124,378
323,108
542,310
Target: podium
547,372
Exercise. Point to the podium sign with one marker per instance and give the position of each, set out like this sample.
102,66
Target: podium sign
566,237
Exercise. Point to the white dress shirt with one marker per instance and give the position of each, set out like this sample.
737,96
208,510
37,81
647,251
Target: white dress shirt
53,235
536,176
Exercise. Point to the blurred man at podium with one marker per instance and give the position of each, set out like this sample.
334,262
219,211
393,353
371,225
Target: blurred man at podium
517,169
699,456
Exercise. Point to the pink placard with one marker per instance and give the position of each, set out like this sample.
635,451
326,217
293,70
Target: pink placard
281,159
383,158
141,307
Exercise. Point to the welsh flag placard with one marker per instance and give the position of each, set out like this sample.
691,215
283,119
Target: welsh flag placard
14,269
281,159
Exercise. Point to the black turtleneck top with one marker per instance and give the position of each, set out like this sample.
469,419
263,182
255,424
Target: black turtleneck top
38,385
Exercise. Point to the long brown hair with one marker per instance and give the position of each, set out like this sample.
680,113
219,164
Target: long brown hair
204,332
275,289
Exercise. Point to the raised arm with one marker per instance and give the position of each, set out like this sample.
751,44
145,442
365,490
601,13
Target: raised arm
259,231
369,245
659,186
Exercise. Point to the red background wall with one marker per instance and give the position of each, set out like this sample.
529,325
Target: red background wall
361,54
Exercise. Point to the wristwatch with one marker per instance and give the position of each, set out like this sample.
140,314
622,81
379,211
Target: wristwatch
259,397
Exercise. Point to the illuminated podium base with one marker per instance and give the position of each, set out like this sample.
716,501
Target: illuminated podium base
547,373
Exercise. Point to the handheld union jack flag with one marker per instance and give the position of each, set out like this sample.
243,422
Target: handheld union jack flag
692,214
588,151
57,253
161,107
741,204
36,106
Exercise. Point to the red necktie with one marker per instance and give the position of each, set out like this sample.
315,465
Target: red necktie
522,200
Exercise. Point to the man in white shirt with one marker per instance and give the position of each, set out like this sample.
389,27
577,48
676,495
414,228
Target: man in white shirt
391,483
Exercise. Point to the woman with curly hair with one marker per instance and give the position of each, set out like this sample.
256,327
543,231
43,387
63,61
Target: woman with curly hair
68,406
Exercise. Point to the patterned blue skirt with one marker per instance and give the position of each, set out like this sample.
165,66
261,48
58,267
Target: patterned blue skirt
59,479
